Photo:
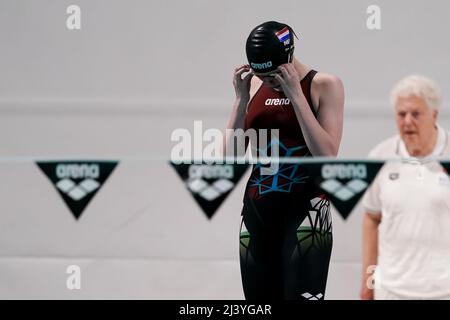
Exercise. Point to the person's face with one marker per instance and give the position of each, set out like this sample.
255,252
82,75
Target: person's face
269,80
415,121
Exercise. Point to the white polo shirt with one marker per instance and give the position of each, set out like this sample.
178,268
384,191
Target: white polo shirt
413,197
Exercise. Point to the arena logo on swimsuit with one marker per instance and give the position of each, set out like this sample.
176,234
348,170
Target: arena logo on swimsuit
277,102
261,66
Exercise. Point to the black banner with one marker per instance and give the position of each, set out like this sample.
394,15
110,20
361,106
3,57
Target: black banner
344,182
210,184
77,181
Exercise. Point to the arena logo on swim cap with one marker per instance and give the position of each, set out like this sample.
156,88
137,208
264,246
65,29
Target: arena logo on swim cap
260,66
77,182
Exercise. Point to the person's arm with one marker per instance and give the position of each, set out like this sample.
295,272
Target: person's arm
322,135
371,222
245,88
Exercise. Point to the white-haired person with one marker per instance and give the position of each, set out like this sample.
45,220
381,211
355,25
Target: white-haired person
406,225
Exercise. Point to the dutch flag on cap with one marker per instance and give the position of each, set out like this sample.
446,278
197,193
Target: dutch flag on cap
283,34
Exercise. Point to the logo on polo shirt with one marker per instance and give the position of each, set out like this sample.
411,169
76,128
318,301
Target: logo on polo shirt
210,184
394,175
77,182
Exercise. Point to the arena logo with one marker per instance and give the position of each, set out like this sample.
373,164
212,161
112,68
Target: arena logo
210,184
210,191
261,66
68,173
309,296
344,191
344,182
77,182
277,102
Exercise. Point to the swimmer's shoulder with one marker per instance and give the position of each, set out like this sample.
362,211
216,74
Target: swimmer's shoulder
326,81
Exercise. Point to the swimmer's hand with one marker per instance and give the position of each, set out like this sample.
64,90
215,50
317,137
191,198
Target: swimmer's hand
242,84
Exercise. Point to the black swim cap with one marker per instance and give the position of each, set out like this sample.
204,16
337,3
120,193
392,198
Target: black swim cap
270,45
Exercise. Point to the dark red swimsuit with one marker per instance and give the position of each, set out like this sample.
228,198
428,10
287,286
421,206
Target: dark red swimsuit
286,234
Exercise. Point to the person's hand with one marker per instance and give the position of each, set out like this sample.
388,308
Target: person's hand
366,293
242,85
289,80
